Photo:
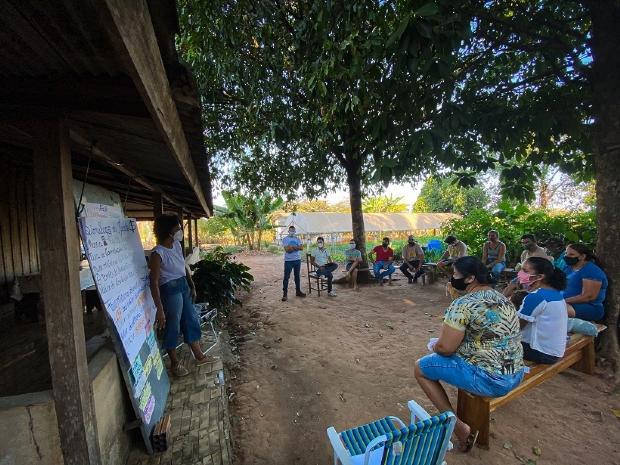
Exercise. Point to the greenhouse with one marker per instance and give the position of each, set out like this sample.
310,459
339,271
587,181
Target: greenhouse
335,225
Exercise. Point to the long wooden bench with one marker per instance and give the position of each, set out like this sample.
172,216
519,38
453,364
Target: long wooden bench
476,410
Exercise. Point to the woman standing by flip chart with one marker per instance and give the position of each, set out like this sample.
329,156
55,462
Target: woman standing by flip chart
173,293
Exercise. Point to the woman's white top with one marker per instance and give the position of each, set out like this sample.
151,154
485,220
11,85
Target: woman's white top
547,320
172,262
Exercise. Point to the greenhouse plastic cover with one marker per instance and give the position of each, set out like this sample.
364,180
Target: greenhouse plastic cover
321,223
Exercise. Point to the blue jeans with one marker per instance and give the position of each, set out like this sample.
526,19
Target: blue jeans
457,372
180,313
329,268
379,275
291,265
497,269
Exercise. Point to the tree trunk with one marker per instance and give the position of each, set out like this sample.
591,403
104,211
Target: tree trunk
606,101
249,239
357,216
260,238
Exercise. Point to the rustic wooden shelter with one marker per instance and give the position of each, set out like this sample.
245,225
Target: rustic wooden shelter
92,91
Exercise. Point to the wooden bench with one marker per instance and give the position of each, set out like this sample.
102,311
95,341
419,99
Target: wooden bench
476,410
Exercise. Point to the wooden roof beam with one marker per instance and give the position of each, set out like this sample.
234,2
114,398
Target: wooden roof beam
130,28
85,140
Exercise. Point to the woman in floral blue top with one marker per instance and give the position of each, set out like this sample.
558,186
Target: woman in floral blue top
479,349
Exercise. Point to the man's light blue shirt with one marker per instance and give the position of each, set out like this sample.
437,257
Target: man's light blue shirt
291,256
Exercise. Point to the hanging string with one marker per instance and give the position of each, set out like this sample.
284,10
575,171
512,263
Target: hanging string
80,207
126,194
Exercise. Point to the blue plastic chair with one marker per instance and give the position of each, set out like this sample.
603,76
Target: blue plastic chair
390,442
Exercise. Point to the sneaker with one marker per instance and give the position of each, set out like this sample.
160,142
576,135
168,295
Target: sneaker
415,280
410,280
284,298
300,294
179,370
332,294
313,274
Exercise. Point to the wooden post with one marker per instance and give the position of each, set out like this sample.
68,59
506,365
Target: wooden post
196,232
158,205
57,235
190,238
182,223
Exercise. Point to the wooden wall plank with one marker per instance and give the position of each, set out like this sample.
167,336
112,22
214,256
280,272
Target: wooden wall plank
22,221
8,273
14,222
33,248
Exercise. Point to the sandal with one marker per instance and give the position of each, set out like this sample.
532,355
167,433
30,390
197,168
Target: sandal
207,359
469,445
356,289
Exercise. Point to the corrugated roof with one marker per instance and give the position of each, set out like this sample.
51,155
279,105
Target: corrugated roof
322,223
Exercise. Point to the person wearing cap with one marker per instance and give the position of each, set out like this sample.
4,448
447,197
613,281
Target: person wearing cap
456,249
554,247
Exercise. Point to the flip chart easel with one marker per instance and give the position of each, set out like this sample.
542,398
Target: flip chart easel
116,258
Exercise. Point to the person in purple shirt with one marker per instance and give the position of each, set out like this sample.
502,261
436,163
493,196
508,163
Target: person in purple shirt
586,284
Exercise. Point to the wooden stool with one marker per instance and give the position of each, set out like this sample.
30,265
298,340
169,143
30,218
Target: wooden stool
430,272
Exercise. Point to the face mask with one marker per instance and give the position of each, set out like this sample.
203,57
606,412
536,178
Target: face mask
385,244
411,242
549,251
525,278
458,283
291,233
571,261
351,246
529,246
178,236
320,244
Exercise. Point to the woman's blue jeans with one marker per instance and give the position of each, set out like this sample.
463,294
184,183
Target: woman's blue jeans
497,268
180,313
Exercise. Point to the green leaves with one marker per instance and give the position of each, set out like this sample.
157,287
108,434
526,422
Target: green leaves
427,10
217,279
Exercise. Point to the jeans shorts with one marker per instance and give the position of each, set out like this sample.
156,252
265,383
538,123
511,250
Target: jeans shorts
457,372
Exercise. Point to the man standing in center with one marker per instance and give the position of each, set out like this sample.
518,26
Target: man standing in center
322,261
413,259
382,267
292,262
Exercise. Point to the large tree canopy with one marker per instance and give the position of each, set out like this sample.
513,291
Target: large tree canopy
315,94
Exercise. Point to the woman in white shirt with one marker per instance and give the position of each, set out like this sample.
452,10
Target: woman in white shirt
174,293
543,314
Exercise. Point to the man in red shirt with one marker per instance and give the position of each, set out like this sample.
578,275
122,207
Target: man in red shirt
382,267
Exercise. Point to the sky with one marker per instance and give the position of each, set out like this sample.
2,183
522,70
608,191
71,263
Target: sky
406,191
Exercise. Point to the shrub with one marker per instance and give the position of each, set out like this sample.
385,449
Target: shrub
217,279
513,222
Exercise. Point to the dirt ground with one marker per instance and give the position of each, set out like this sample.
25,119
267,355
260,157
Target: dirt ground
315,362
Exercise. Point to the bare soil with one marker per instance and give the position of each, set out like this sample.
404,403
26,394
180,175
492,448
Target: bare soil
315,362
